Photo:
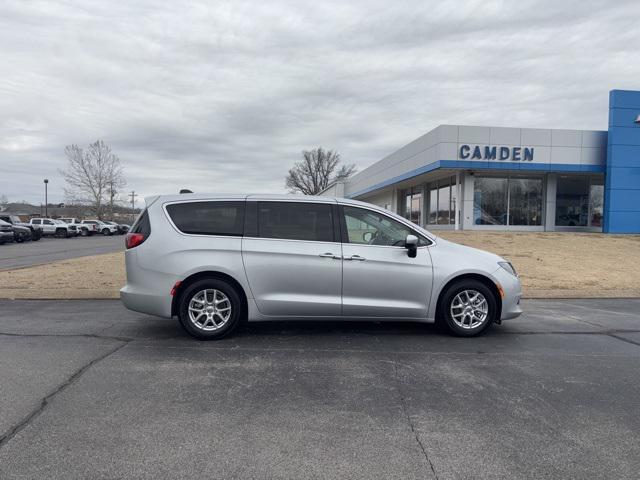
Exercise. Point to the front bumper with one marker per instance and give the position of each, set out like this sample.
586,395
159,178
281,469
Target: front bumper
512,293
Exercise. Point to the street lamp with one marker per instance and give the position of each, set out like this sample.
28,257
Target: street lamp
46,200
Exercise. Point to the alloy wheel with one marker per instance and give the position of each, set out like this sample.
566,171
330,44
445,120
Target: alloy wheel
209,310
469,309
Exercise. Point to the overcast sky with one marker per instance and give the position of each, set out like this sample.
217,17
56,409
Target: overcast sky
223,96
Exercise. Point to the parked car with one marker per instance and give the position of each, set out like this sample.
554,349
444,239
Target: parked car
122,229
102,227
82,228
36,233
53,227
6,232
213,261
21,234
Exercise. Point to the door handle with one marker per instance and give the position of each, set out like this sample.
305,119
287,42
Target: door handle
330,255
355,257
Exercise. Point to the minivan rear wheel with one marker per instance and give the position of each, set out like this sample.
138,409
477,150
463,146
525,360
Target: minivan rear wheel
468,308
210,309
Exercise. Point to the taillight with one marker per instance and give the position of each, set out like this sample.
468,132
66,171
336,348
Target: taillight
134,239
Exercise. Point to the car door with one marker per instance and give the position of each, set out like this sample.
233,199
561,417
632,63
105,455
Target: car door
48,226
379,278
292,257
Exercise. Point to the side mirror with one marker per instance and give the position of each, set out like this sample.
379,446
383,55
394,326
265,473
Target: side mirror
411,244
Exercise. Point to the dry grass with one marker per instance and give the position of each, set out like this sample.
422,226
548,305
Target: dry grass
99,276
550,265
565,264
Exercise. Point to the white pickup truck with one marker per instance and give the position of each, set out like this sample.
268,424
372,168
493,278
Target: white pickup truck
57,228
85,230
102,227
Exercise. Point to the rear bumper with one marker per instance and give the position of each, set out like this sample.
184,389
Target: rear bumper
145,302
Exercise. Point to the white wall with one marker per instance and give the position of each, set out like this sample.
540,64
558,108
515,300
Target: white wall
579,147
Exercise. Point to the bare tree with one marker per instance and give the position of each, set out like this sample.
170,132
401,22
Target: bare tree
317,171
94,176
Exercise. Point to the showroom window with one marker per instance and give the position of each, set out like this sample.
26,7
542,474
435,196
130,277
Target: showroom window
442,202
507,201
413,204
579,201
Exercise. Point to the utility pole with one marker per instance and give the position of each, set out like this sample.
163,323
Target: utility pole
46,199
133,205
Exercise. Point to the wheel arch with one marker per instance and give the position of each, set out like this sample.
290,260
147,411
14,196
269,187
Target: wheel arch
488,282
207,274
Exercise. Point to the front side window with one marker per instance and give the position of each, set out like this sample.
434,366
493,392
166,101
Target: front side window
366,227
208,218
295,221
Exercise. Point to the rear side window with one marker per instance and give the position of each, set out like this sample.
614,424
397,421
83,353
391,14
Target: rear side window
142,225
295,221
208,218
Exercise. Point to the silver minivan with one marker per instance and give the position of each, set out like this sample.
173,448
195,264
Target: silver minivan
217,260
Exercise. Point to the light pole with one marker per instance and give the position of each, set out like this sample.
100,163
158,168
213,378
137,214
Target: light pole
46,199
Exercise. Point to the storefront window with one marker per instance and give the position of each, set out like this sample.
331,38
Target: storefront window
413,205
596,202
490,201
441,202
525,201
572,202
507,201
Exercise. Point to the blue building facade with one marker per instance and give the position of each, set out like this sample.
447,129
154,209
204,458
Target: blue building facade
521,179
622,179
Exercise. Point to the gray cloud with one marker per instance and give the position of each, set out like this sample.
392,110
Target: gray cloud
223,96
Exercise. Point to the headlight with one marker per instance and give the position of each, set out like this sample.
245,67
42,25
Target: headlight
509,268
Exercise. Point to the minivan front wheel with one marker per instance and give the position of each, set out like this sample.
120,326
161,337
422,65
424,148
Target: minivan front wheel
467,308
210,309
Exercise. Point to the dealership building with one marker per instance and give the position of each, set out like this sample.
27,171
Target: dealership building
519,179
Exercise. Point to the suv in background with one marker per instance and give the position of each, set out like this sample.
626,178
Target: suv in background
6,232
122,229
36,233
102,227
53,227
83,229
214,261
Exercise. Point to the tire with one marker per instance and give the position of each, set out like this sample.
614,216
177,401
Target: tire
36,235
106,231
463,323
62,233
84,232
227,296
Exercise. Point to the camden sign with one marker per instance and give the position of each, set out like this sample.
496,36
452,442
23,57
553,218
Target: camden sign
489,152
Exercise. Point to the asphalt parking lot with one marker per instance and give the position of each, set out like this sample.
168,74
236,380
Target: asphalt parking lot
50,249
90,390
